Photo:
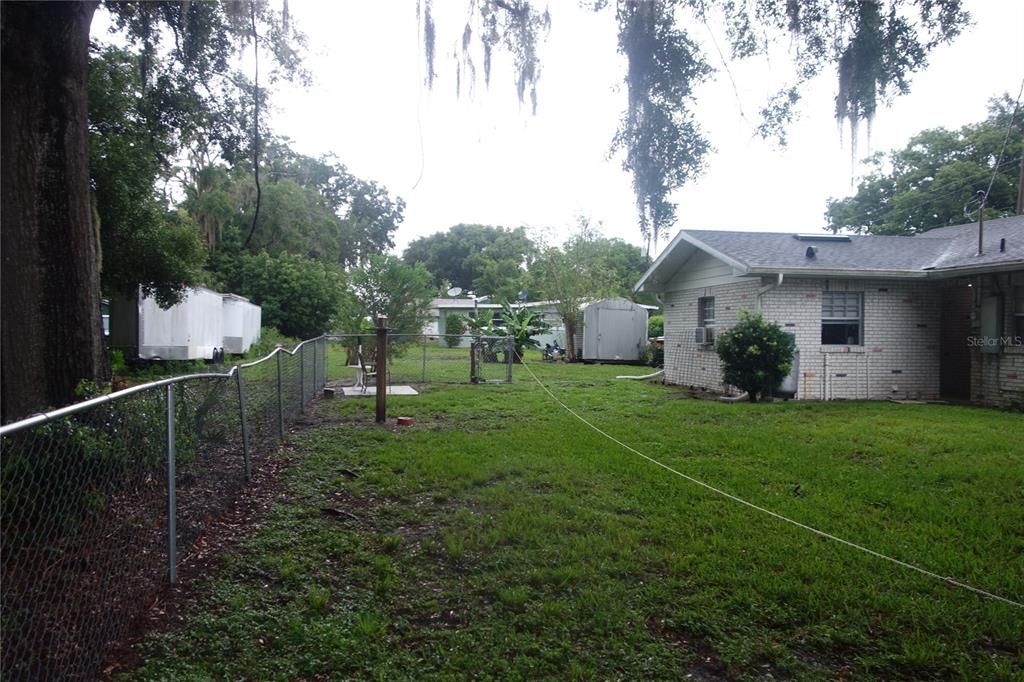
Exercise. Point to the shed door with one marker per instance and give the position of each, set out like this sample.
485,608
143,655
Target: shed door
616,337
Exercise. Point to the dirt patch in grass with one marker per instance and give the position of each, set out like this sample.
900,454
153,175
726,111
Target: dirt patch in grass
706,667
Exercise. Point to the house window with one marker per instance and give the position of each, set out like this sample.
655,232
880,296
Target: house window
842,317
706,311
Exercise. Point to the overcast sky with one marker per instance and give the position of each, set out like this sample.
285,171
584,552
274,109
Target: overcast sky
486,159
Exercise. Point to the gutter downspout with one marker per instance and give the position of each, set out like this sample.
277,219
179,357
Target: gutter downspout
826,385
765,289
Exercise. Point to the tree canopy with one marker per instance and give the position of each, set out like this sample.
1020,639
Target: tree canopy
299,296
482,258
874,46
384,285
93,134
132,135
936,177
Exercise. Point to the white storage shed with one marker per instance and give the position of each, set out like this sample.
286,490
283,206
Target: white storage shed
241,323
189,330
614,330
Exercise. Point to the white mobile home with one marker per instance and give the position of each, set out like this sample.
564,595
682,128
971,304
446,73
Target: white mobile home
241,323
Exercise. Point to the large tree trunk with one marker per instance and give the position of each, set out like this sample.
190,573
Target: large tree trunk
570,339
50,324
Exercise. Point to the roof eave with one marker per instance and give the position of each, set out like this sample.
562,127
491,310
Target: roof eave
961,270
840,272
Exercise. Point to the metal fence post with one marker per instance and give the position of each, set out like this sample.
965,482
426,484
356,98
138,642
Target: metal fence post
509,358
423,378
302,377
315,344
280,398
245,427
382,369
172,502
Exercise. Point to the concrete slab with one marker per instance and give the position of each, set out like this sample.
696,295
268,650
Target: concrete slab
356,392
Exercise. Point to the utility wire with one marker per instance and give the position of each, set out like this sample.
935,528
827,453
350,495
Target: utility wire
828,536
950,187
1009,128
947,189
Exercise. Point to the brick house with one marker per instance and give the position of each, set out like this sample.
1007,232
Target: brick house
874,316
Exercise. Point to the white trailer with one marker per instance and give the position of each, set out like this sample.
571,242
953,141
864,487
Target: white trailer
241,323
614,330
190,330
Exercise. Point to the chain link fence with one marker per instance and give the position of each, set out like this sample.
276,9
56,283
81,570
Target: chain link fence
101,500
426,359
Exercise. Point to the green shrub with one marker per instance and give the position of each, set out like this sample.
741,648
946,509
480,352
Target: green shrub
756,354
454,326
270,338
299,296
656,325
117,362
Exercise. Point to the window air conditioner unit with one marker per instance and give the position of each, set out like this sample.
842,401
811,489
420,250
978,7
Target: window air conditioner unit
704,336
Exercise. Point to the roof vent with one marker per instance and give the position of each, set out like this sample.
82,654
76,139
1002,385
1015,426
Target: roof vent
822,237
1002,245
811,251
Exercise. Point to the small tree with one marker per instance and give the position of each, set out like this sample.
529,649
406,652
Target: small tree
454,326
522,324
756,354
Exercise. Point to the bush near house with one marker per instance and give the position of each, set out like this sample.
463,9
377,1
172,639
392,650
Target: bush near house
756,354
454,326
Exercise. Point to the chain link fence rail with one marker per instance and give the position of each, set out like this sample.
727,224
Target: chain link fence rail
103,499
426,359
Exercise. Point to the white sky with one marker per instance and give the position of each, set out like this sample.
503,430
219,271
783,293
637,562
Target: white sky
486,159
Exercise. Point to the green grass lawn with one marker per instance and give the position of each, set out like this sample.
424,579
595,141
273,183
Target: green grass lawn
500,538
418,360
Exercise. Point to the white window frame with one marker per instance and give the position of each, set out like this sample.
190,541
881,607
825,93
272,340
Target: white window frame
702,304
849,311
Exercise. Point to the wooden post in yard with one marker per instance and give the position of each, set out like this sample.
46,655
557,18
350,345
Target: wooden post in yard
382,369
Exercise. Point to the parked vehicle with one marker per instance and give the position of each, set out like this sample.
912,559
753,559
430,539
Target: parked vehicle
552,353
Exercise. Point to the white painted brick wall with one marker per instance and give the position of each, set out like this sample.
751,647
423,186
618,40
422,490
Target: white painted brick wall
899,356
687,363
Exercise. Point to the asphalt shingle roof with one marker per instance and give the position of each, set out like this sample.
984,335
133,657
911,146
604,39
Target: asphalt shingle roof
780,250
945,251
942,248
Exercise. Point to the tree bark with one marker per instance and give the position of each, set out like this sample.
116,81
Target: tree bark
570,339
52,336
